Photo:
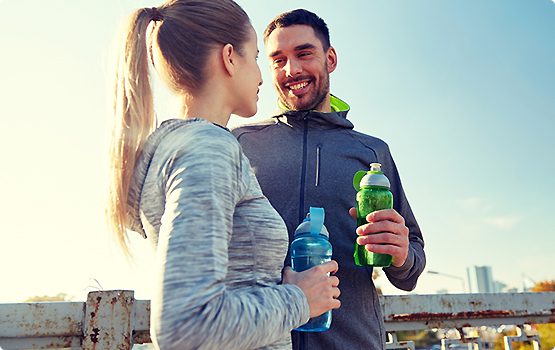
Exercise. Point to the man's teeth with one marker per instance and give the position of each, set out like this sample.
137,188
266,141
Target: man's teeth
298,86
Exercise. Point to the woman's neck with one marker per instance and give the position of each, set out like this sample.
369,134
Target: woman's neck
208,105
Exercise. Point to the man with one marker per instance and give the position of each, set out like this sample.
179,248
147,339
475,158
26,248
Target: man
307,156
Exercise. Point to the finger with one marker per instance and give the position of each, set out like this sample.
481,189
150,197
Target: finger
385,214
372,228
335,304
383,249
353,213
382,238
334,281
336,293
383,226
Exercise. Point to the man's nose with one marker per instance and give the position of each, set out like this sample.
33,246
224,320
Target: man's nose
292,68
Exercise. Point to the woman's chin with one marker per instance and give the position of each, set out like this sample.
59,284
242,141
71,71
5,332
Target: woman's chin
247,114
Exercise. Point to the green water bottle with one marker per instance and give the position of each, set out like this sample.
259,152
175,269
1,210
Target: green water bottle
373,194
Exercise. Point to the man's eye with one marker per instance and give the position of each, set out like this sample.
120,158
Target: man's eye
304,54
278,61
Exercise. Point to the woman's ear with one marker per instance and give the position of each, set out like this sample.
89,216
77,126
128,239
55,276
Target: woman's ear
228,56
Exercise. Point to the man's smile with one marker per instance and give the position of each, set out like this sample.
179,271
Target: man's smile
297,87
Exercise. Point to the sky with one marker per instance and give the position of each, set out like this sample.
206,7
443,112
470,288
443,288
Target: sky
463,92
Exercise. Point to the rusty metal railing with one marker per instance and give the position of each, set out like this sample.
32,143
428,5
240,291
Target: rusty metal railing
116,320
461,311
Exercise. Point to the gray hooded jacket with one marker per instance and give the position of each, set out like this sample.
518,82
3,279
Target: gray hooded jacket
219,243
308,158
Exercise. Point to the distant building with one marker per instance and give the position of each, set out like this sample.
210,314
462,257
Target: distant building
499,287
480,279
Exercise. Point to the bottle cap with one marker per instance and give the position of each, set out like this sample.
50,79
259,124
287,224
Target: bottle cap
313,223
373,177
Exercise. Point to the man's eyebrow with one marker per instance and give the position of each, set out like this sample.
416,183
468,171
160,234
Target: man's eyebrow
274,53
297,48
304,47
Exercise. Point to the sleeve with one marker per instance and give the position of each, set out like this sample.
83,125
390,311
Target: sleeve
193,309
406,276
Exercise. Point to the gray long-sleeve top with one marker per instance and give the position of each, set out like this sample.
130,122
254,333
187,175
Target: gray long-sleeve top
219,243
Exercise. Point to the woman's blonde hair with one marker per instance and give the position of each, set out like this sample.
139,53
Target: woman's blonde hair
183,35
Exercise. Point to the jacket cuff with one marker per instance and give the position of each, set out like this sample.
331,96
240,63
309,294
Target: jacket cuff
402,271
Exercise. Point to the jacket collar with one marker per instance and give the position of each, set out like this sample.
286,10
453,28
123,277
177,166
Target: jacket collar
336,118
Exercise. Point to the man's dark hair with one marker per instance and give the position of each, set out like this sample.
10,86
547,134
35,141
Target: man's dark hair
303,17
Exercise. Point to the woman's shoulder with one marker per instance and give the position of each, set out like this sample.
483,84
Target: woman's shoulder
194,130
176,136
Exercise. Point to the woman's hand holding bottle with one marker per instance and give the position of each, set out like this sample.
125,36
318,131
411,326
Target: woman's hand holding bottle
318,284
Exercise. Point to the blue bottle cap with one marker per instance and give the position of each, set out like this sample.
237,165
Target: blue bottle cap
313,223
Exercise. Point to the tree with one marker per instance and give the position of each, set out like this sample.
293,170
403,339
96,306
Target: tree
422,339
545,331
544,286
57,297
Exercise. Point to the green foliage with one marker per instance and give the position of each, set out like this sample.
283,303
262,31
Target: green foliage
545,331
544,286
547,335
57,297
422,339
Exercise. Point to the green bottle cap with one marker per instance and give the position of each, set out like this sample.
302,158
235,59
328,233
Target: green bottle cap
373,177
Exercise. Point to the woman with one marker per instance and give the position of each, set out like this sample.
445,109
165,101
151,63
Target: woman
188,188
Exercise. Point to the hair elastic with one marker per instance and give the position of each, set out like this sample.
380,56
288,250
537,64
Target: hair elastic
155,14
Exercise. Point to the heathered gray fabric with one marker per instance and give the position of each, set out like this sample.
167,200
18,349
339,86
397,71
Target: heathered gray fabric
304,159
219,243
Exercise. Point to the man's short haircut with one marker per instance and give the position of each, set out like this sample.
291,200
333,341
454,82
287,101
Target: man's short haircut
302,17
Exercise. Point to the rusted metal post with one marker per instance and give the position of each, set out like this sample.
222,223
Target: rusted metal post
41,325
394,344
108,320
522,337
472,343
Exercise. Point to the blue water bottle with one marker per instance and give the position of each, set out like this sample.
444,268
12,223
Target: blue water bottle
311,247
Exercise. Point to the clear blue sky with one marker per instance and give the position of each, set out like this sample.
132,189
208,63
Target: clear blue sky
462,91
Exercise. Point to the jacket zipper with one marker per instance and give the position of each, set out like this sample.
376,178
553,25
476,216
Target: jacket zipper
303,171
303,335
318,150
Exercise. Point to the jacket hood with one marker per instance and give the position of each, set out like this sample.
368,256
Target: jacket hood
140,172
336,118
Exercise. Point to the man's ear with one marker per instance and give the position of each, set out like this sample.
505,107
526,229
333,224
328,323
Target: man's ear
331,57
228,56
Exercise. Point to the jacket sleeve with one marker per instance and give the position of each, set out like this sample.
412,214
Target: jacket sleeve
405,276
193,308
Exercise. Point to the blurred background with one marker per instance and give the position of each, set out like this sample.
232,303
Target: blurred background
462,91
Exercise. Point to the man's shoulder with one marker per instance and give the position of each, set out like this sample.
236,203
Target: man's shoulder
369,141
253,127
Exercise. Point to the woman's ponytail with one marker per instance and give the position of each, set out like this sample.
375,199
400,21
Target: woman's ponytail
133,118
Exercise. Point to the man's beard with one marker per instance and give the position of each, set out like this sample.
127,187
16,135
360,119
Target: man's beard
316,102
